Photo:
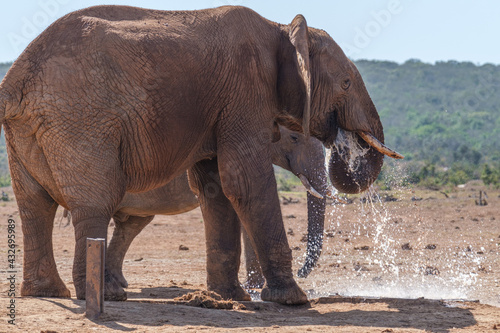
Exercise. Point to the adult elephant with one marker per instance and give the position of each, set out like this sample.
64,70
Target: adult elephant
294,152
114,99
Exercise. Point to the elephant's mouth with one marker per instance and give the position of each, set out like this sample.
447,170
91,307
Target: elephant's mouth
309,187
350,150
356,160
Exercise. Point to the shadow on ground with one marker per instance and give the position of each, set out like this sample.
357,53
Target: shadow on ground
330,312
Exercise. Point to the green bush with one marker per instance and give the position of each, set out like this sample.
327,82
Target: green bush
5,180
490,176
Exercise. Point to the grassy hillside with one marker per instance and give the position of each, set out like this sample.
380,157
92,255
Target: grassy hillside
444,117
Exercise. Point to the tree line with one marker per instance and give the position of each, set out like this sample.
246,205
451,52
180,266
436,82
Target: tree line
444,117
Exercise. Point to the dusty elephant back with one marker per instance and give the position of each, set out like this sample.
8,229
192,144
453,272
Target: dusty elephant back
120,75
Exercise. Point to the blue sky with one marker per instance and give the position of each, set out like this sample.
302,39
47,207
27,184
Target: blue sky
395,30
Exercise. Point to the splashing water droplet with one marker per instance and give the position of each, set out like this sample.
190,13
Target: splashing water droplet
387,269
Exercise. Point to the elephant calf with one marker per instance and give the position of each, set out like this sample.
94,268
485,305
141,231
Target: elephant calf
294,152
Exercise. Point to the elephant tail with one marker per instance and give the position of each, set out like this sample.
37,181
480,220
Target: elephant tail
4,97
7,101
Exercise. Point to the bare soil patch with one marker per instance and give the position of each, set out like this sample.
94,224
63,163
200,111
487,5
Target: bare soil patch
418,262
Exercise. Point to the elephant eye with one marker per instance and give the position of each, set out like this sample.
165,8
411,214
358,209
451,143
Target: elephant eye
346,84
294,138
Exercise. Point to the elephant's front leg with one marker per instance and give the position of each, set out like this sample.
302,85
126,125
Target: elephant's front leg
222,230
248,181
126,229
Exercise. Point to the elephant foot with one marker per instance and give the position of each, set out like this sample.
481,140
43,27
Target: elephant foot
287,293
255,280
236,293
117,275
113,288
113,291
45,288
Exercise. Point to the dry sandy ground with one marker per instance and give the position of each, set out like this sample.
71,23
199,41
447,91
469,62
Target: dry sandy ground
410,265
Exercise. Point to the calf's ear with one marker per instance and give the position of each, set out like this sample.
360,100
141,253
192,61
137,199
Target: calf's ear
276,133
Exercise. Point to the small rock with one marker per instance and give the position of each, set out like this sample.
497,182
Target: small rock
429,270
304,238
362,248
359,267
183,248
296,248
431,247
416,199
290,232
139,259
406,246
330,234
291,216
390,198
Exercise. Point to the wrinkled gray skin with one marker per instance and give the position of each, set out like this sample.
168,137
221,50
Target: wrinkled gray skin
111,100
293,152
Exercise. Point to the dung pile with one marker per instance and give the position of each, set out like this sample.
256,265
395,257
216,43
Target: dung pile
209,300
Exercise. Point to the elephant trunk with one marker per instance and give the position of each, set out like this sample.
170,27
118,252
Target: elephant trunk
318,190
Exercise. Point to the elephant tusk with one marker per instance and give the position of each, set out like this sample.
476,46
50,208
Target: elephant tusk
379,146
329,194
309,187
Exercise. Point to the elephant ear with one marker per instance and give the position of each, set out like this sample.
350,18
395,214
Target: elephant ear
299,38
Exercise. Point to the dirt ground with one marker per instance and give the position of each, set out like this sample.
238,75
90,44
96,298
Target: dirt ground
428,261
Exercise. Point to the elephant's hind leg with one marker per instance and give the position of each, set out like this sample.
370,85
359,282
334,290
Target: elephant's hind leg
37,210
88,223
222,231
92,183
124,233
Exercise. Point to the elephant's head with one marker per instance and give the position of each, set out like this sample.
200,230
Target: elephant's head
304,157
322,94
